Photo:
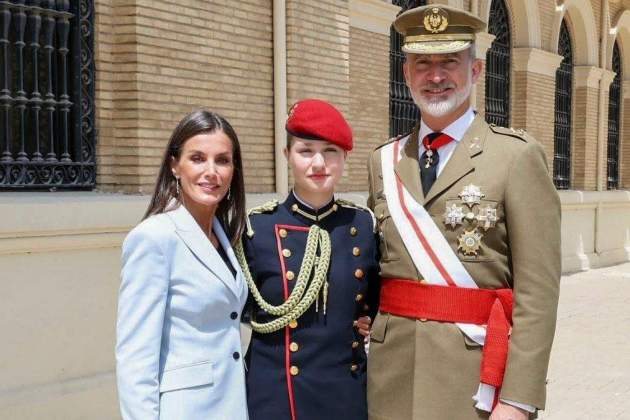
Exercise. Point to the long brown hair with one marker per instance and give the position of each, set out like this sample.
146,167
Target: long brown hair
231,209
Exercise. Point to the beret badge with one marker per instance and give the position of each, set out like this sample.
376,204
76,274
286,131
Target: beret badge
435,20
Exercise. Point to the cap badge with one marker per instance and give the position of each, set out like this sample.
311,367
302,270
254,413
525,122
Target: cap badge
435,20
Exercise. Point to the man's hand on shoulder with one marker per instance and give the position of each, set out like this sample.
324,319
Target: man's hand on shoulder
505,411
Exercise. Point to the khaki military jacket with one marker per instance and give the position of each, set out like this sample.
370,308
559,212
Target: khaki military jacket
430,370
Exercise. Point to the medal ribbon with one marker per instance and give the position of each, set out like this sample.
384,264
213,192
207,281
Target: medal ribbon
436,140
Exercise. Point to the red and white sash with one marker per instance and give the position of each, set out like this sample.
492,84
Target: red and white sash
431,253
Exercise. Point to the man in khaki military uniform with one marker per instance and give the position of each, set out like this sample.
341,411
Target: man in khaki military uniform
470,246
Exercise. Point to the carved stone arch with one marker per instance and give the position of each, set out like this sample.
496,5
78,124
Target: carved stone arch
525,18
620,32
581,20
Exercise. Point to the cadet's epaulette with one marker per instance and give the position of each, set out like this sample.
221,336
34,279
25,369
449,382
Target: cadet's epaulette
267,207
519,134
347,203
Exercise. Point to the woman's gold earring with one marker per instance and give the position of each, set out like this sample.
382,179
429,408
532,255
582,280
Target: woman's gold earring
229,194
177,185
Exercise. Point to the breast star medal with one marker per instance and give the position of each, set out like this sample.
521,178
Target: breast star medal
435,20
471,195
470,242
487,217
454,215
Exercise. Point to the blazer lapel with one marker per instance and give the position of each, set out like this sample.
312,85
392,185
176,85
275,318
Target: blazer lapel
197,241
225,243
461,162
408,167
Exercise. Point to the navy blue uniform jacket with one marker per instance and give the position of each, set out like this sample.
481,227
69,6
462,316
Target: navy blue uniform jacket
315,368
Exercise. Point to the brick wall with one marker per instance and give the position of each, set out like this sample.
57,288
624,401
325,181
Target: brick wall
166,58
535,116
546,8
369,101
584,142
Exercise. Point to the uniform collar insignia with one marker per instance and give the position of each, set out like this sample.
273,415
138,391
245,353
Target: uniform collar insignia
297,206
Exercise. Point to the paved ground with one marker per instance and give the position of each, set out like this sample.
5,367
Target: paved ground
589,374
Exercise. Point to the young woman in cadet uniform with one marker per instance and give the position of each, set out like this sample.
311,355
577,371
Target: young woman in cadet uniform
312,269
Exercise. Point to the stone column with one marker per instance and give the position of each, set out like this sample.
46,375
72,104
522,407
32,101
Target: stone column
584,145
534,93
483,42
624,147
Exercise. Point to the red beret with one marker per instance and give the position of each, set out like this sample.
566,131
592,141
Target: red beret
314,119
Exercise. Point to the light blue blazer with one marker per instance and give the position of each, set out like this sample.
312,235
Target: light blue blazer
178,351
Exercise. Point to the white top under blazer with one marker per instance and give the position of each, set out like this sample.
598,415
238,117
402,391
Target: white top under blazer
178,351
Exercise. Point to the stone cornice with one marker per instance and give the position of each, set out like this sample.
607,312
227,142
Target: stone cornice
534,60
372,15
483,42
587,76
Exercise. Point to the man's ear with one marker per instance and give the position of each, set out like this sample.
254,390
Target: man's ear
406,72
285,151
477,67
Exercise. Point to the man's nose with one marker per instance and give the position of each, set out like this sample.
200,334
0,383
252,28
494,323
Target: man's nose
436,74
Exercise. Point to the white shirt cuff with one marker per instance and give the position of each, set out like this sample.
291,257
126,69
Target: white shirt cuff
526,407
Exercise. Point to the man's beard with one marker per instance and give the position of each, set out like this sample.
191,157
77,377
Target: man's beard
439,108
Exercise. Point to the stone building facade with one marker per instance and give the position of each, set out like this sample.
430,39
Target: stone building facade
156,60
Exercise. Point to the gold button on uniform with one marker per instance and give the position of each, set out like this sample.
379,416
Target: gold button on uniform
353,231
356,251
293,323
366,307
294,347
290,275
294,207
358,273
355,344
354,367
359,297
294,370
286,253
282,233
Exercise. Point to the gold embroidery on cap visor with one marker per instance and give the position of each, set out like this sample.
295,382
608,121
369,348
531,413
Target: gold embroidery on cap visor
435,47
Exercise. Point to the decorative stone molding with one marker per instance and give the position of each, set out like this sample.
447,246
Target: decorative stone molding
483,42
372,15
587,76
583,28
534,60
607,78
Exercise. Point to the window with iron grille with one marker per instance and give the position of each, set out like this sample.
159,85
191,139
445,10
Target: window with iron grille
562,126
47,136
614,115
403,112
498,66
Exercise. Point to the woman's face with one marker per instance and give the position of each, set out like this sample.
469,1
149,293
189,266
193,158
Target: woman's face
205,168
316,165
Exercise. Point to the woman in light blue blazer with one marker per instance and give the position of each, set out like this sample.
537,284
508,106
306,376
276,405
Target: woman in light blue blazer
178,346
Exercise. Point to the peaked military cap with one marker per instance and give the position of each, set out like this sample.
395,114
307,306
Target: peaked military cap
437,29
